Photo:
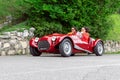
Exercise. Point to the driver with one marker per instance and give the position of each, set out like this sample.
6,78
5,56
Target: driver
73,31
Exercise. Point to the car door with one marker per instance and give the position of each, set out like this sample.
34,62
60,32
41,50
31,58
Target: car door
79,44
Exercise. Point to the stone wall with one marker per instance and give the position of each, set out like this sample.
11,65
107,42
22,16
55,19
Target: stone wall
111,46
17,43
14,42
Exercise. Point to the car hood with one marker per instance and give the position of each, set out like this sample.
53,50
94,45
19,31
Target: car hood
55,34
51,35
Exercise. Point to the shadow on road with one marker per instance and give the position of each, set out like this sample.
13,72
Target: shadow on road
59,55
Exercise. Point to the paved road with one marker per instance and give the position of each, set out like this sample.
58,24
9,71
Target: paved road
54,67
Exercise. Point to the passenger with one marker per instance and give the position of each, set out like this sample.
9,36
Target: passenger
85,34
73,31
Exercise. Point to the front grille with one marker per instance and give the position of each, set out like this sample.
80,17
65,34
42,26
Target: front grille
43,45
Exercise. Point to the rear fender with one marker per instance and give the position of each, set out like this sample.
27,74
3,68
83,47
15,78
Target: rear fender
96,41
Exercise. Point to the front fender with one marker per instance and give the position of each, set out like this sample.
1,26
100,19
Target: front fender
33,43
60,39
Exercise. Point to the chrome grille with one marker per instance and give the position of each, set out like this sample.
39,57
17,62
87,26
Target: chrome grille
43,45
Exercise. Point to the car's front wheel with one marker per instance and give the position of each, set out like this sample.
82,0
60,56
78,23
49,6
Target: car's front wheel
65,48
34,51
99,49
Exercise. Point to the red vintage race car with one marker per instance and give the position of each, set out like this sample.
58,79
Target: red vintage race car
65,44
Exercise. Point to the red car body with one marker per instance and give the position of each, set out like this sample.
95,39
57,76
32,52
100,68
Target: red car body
55,43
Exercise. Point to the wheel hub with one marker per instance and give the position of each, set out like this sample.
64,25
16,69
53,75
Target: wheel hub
67,47
100,48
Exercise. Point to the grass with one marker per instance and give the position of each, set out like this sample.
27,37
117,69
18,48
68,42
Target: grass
18,27
114,33
113,52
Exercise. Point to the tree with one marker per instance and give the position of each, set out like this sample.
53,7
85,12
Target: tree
77,13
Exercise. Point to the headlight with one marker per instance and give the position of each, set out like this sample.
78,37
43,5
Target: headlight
36,39
54,38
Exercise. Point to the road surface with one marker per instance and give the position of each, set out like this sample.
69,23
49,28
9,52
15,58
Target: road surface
55,67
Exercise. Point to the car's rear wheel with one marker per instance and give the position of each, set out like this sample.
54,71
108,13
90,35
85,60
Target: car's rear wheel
65,48
34,51
99,49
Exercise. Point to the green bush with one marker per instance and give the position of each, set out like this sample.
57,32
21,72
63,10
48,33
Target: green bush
15,8
78,13
44,27
114,32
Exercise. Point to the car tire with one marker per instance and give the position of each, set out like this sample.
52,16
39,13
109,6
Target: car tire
99,48
73,54
34,51
65,48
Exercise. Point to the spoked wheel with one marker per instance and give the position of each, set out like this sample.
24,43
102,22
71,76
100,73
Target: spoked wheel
65,48
99,49
34,51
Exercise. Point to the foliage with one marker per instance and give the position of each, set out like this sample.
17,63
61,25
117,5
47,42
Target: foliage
8,7
47,27
15,8
114,32
20,26
77,13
